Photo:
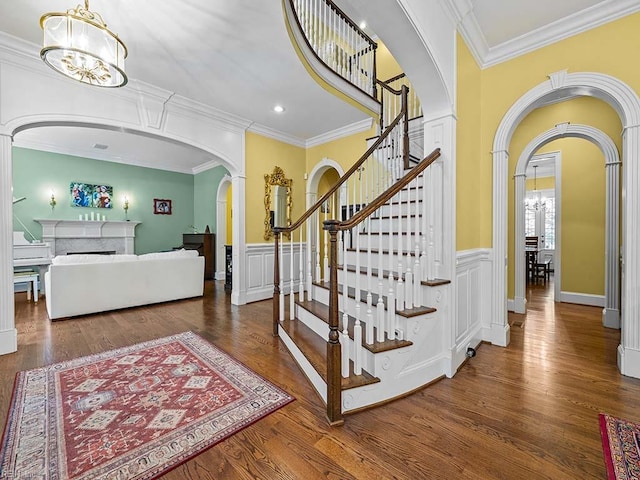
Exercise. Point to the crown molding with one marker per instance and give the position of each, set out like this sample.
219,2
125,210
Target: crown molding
592,17
276,135
579,22
341,132
205,166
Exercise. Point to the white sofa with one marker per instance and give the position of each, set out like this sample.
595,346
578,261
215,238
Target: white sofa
82,284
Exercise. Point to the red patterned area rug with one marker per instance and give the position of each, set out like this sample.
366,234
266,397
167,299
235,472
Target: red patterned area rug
621,444
131,413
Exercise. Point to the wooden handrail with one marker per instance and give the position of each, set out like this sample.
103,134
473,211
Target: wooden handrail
345,177
393,79
387,87
388,194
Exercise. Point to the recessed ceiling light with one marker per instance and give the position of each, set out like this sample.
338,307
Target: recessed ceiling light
278,109
363,25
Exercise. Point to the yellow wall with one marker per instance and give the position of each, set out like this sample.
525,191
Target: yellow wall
262,155
583,217
473,219
542,183
345,150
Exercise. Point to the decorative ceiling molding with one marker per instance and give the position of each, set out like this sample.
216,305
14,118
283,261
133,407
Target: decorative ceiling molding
341,132
485,56
206,166
276,135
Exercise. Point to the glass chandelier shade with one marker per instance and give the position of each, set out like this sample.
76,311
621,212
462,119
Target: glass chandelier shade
79,45
535,200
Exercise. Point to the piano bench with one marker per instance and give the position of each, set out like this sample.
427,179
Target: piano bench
31,279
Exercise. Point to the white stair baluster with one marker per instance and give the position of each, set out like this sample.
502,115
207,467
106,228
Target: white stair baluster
301,273
292,285
344,340
325,207
281,299
316,219
309,260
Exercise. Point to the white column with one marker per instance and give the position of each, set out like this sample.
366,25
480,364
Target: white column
8,332
520,301
611,312
239,290
629,348
500,332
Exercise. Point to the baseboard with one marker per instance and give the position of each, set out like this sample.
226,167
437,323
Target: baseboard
582,299
629,361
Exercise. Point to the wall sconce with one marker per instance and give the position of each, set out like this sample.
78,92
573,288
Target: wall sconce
126,208
52,201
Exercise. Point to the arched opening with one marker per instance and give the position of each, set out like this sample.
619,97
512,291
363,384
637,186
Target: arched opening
224,227
626,103
611,312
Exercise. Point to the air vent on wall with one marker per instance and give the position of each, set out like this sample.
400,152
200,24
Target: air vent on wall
100,146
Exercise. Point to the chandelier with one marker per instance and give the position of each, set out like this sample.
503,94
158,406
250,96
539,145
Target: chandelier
535,201
79,45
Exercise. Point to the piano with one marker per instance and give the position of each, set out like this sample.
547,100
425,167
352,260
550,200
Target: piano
31,254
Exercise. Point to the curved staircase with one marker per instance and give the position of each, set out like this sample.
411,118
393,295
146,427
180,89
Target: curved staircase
364,319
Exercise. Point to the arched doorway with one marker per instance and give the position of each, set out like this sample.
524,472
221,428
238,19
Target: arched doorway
563,86
611,312
224,228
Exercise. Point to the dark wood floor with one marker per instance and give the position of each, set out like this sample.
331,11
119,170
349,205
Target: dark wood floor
529,411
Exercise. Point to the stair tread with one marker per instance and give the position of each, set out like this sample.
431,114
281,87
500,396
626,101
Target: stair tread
321,311
411,312
314,349
434,282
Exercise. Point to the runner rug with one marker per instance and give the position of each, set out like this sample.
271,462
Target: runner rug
621,444
131,413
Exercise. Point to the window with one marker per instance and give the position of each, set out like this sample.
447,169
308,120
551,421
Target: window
541,221
550,224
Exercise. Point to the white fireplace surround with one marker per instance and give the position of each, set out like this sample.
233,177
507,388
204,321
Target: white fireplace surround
79,236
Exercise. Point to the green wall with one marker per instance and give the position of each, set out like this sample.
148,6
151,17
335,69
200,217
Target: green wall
205,185
36,173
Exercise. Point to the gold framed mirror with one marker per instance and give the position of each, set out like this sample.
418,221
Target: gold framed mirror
277,202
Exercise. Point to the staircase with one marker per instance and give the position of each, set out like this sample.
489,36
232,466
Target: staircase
355,292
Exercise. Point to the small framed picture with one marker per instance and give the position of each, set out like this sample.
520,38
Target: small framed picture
161,206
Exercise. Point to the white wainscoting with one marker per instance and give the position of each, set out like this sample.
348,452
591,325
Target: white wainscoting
473,299
259,269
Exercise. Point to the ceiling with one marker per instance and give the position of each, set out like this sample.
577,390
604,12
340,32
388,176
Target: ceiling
236,56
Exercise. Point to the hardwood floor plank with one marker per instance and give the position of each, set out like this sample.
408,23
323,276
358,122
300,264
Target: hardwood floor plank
528,411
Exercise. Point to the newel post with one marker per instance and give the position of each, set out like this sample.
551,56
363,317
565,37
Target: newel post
334,352
276,284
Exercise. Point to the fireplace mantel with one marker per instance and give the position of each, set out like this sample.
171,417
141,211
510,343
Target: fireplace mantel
88,235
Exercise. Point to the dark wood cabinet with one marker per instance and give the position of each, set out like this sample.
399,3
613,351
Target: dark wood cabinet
205,243
228,267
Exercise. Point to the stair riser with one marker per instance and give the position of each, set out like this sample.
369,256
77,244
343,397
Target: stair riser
394,209
322,329
408,242
352,256
392,224
428,294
